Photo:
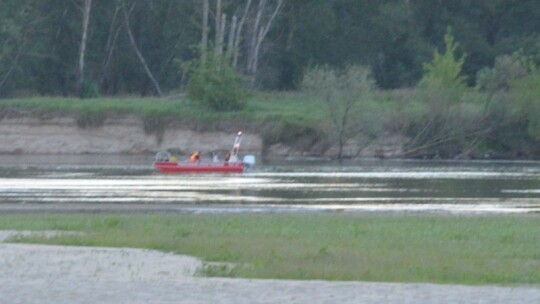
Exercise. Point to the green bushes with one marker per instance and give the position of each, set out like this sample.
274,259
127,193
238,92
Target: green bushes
512,108
90,90
218,86
345,93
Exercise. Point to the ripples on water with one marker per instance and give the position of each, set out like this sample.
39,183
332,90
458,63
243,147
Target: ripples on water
130,184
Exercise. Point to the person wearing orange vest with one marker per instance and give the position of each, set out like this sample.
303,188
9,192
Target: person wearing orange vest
195,157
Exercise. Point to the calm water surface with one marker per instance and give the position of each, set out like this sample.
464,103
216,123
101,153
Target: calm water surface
130,184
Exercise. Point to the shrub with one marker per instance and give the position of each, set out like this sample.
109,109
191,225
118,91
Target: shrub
90,90
507,69
346,93
218,86
442,81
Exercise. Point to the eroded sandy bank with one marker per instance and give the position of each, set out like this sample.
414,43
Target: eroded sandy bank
119,136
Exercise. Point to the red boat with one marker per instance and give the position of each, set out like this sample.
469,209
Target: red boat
166,163
175,167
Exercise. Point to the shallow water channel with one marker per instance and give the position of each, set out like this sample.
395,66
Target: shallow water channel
130,184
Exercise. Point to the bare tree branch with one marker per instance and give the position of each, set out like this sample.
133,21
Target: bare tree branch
11,68
218,24
139,54
254,34
259,33
204,38
111,42
220,36
230,43
86,19
238,34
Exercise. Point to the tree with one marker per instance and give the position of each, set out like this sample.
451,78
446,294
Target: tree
271,41
344,93
10,51
217,85
136,49
445,124
110,45
84,34
524,92
238,34
204,30
17,22
259,29
444,72
506,71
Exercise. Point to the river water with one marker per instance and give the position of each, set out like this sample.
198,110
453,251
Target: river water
91,183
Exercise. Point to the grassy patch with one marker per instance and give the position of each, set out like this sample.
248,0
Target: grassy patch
92,112
462,250
260,106
291,106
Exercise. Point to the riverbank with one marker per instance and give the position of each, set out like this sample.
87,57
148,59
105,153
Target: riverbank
125,135
276,125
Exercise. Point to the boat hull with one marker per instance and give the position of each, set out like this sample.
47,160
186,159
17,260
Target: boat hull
175,168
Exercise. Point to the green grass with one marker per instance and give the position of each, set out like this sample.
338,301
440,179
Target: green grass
292,106
461,250
111,106
260,106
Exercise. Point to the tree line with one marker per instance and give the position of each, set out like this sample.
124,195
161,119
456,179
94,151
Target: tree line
149,47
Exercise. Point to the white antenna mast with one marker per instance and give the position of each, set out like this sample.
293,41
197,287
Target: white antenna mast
236,147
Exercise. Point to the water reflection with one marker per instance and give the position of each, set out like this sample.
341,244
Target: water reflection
130,184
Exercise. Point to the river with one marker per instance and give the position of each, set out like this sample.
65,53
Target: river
92,183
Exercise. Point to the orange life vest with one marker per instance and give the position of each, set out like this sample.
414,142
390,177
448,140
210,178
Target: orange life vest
195,157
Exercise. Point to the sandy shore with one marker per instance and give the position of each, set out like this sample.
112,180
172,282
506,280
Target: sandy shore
58,274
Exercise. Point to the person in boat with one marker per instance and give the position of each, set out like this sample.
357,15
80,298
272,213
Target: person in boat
195,157
227,157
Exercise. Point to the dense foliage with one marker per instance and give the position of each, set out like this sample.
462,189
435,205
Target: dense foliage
345,93
218,86
455,78
40,41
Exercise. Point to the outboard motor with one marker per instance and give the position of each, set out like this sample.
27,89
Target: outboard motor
249,162
163,156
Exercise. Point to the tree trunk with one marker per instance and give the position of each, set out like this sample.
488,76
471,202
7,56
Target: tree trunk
254,37
86,19
204,39
258,35
139,54
111,42
217,47
230,42
11,68
221,36
238,35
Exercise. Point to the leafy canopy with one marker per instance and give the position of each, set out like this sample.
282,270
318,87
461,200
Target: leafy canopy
218,86
444,72
508,69
345,93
